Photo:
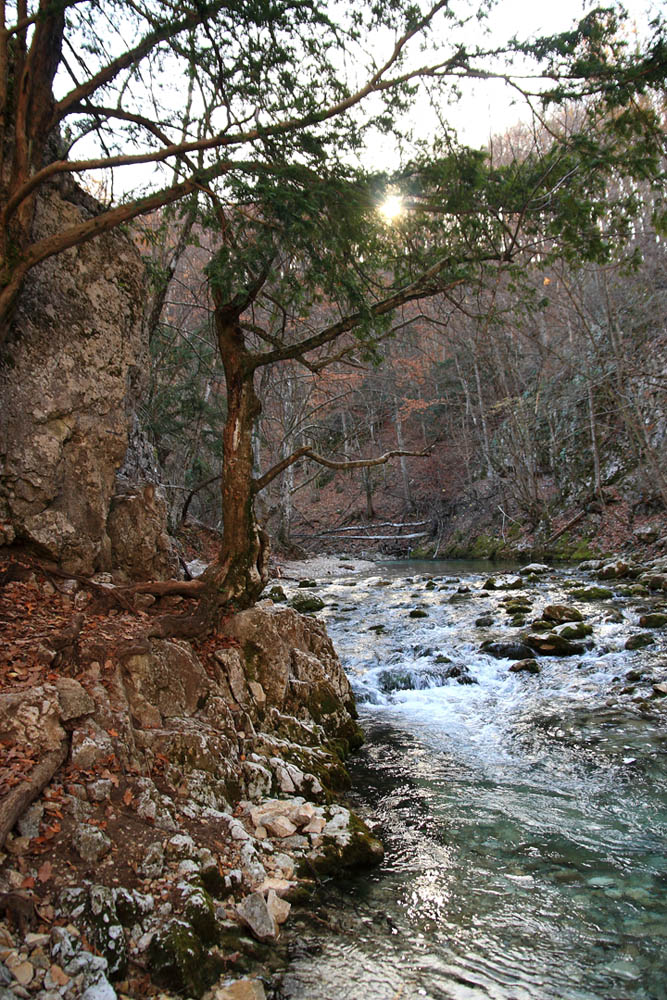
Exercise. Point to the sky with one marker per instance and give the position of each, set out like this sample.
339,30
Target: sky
488,108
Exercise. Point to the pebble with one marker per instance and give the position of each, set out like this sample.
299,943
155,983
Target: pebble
23,973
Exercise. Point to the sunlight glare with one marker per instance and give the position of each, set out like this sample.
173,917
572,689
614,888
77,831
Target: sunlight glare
391,208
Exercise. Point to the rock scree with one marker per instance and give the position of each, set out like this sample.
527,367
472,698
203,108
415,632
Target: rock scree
197,800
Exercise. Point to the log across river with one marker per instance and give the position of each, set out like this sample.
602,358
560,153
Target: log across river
524,815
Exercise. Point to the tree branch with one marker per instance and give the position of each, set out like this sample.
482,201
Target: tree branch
307,452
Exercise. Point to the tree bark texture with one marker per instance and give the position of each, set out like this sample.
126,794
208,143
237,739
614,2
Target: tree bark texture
238,576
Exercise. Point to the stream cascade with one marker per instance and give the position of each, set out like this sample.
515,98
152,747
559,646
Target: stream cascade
524,813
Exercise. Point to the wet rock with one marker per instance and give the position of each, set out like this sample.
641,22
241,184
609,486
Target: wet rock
639,641
276,594
536,568
552,644
490,583
255,915
530,666
574,630
562,613
91,843
459,673
616,570
484,621
307,604
656,619
592,593
654,581
511,650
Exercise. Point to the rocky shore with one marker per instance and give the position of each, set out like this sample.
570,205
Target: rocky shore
192,795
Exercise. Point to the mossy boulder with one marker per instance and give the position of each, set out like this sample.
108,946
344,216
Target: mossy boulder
656,619
307,584
347,844
276,594
93,909
418,613
179,960
574,630
200,914
592,593
307,604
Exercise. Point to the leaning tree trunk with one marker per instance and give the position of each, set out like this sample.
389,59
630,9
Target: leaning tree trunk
239,574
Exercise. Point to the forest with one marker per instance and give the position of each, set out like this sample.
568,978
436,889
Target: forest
333,480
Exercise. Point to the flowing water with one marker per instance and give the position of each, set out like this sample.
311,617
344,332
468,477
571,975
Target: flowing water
524,816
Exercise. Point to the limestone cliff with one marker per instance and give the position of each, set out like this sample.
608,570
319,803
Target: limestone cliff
70,379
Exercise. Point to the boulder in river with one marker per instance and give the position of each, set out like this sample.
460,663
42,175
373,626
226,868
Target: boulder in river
592,593
528,666
561,613
616,570
534,568
639,641
552,644
656,619
511,650
574,630
307,604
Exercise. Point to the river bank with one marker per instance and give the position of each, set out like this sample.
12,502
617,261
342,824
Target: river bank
164,803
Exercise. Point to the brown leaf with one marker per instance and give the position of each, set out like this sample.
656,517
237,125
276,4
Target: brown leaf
28,882
128,797
45,871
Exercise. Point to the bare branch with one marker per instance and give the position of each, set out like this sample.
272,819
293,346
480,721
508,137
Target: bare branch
307,452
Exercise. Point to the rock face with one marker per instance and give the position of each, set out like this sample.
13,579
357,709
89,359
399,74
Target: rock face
69,380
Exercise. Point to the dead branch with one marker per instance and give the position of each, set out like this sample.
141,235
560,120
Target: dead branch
19,798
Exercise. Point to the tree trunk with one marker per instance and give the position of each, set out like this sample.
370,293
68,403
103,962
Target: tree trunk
238,576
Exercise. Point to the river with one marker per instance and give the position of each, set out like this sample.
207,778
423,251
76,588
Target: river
524,815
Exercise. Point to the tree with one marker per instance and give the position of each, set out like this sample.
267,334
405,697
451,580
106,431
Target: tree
302,270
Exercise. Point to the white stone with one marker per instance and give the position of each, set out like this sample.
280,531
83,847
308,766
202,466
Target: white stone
279,826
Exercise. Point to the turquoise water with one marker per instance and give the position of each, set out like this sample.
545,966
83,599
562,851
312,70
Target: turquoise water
525,816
